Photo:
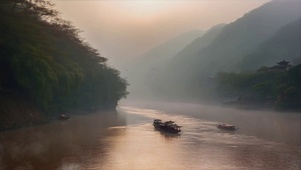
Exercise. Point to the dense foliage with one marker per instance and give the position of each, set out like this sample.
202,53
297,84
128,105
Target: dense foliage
43,57
280,89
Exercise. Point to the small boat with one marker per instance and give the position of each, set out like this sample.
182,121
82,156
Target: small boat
225,126
168,126
63,117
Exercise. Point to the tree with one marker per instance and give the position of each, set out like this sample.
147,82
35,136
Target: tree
49,62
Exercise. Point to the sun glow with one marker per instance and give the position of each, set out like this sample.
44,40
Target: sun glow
147,8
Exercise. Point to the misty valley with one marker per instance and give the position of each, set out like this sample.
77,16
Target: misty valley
144,85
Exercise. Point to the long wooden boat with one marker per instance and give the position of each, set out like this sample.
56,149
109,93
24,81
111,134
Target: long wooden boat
168,126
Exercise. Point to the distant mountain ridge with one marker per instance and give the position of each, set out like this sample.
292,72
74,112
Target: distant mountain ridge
284,44
242,37
165,51
141,70
232,47
191,70
195,46
190,53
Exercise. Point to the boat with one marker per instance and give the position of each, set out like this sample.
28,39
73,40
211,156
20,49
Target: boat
168,126
226,126
63,117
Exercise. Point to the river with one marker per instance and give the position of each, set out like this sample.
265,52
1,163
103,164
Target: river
126,139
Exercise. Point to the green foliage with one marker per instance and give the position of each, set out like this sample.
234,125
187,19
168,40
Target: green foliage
282,87
47,60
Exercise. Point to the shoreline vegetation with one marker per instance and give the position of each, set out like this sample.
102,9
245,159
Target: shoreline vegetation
276,87
47,69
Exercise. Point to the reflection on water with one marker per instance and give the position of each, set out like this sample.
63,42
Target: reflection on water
51,145
127,140
169,136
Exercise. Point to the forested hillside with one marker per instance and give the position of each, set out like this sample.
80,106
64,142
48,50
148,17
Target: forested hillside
277,86
44,60
193,71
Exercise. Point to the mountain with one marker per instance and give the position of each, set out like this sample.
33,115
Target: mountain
195,46
171,47
285,44
190,53
227,51
163,52
144,68
165,84
241,38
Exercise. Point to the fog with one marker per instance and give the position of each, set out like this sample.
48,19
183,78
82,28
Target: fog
142,38
169,52
173,49
263,123
126,139
124,30
44,146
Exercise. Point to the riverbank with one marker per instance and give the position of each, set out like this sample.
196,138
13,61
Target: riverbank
16,111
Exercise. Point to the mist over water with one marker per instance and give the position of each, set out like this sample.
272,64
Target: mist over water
172,53
268,124
53,145
126,139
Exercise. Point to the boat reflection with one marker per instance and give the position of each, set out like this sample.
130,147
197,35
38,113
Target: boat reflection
169,136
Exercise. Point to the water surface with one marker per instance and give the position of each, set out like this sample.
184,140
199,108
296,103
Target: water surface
126,139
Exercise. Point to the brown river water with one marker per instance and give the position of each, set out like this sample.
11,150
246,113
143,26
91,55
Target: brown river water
126,139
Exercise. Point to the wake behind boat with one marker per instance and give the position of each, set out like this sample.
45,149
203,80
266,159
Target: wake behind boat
168,126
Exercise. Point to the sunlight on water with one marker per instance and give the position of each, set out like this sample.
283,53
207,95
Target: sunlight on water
200,145
128,140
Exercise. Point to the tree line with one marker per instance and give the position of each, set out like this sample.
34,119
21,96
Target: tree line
43,57
271,87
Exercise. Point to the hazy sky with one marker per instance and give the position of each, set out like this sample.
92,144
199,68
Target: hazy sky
128,28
